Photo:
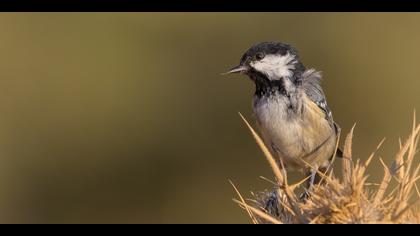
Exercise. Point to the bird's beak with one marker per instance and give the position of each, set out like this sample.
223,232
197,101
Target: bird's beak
236,69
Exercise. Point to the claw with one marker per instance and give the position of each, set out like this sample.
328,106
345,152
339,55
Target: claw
272,204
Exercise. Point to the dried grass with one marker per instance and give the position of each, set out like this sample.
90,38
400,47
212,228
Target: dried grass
346,200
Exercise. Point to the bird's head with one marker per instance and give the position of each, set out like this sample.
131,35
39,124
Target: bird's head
269,61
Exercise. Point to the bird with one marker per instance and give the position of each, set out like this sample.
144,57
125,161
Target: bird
290,108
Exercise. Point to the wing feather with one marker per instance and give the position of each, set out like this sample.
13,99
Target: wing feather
311,83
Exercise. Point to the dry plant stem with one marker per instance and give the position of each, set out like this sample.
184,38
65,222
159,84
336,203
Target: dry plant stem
247,208
266,152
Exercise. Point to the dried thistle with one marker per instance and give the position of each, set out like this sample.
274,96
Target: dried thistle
347,200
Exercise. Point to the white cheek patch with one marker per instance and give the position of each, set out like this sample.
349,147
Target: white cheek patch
275,66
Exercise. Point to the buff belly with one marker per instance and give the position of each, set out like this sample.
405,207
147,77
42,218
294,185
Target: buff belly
296,136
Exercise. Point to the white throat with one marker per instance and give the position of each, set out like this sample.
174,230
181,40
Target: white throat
275,66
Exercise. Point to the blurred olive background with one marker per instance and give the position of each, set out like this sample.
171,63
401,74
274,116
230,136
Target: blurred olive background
124,117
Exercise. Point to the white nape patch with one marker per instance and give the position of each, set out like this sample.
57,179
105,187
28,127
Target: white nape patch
275,66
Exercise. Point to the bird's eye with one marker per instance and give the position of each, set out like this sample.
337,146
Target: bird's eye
259,56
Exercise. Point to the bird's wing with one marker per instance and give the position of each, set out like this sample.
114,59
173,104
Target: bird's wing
311,84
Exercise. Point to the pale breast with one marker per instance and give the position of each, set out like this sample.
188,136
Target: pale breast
292,134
